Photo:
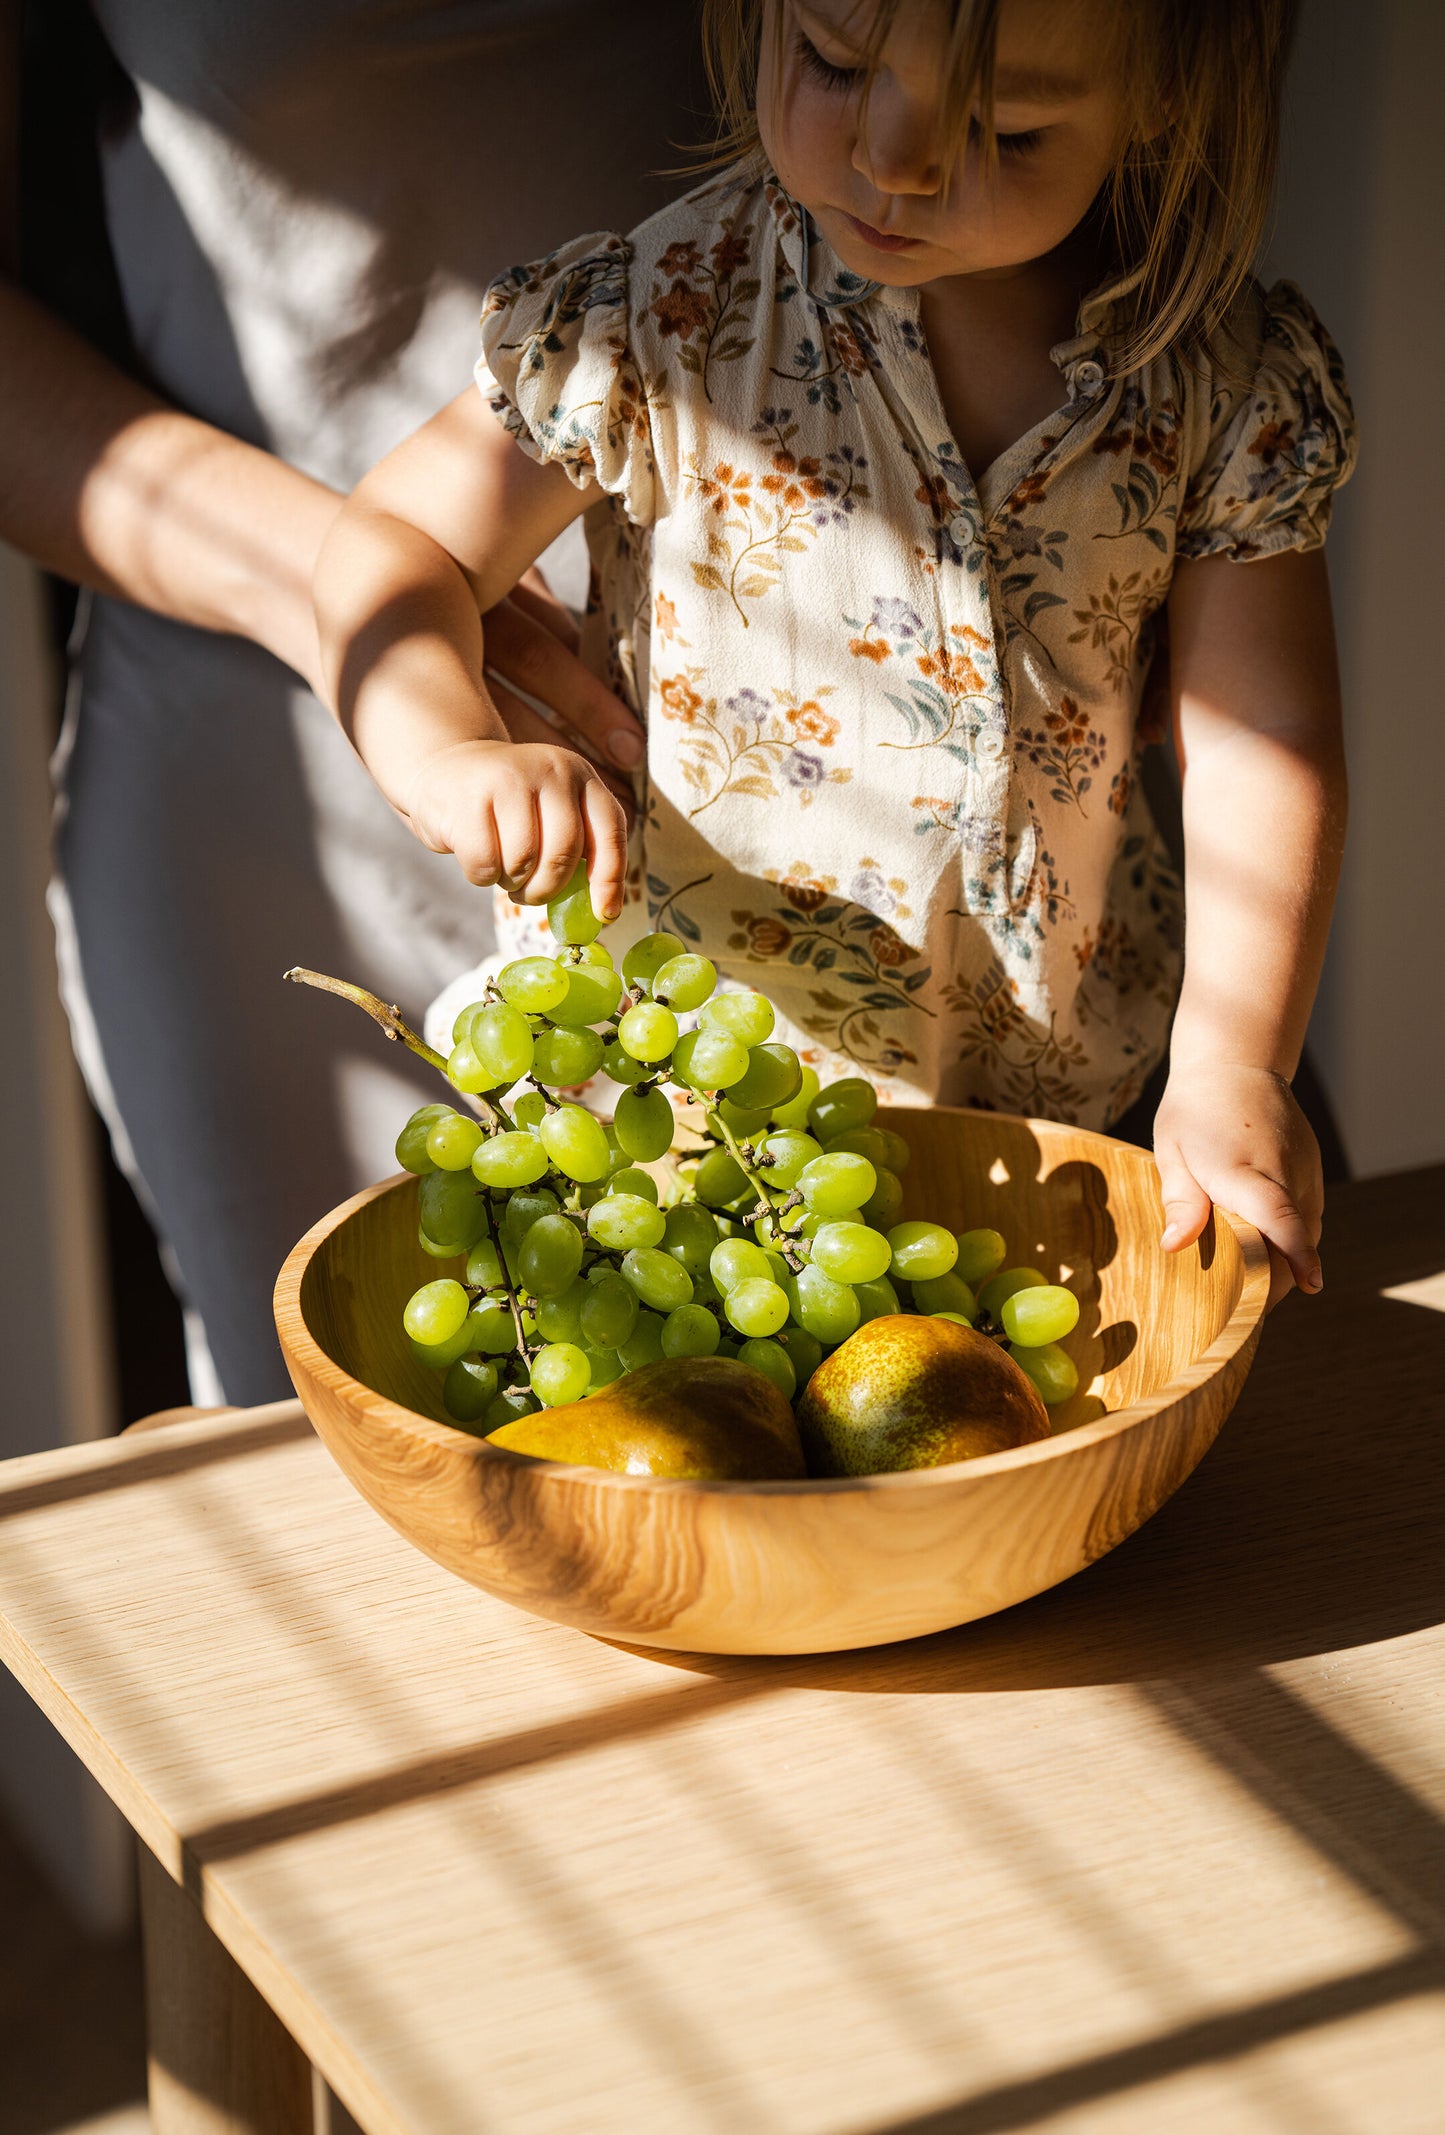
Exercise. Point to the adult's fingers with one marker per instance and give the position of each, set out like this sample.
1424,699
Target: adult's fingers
535,597
606,850
1186,1205
529,655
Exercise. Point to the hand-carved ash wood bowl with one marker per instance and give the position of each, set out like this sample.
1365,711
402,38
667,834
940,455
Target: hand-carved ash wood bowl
1163,1345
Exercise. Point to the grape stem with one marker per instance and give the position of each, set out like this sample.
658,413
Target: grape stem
393,1026
506,1277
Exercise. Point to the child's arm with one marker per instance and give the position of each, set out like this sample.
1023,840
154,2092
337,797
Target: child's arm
438,532
1257,720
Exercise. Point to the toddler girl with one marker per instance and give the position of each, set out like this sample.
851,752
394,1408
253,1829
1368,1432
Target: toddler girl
904,435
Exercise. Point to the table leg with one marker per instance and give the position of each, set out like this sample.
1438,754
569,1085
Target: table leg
221,2062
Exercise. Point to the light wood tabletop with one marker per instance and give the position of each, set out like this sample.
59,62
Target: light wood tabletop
1161,1850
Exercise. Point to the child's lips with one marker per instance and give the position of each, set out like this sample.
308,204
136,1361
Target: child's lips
885,240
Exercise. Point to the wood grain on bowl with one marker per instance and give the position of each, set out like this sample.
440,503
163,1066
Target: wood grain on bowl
1163,1345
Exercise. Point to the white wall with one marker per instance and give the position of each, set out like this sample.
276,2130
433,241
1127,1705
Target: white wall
1362,228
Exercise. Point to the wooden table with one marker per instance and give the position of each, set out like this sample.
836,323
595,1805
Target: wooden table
1162,1849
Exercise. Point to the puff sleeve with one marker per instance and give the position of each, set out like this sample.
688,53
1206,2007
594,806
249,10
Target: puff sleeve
1280,440
557,370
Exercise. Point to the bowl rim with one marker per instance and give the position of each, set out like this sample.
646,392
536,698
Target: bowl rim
304,1354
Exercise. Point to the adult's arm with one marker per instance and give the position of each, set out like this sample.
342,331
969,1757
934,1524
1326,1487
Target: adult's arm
104,483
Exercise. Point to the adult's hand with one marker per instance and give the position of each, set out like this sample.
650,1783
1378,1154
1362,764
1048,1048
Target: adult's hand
532,644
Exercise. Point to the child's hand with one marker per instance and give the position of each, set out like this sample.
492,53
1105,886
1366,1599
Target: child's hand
1234,1135
522,814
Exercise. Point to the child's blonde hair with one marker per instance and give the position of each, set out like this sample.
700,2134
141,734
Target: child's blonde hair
1200,84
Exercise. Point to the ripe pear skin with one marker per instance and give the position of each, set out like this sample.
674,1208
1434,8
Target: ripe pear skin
707,1418
911,1392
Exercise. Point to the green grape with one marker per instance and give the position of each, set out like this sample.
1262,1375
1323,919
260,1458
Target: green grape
921,1250
729,1346
465,1070
721,1182
570,914
411,1149
795,1112
524,1207
530,1109
513,1158
804,1350
469,1389
604,1365
510,1406
462,1022
622,1221
980,1254
774,1074
632,1180
501,1038
756,1306
690,1331
493,1330
564,1059
689,1236
587,952
593,991
648,1032
883,1204
849,1103
453,1214
644,1344
452,1141
743,1119
875,1299
734,1261
851,1253
958,1319
622,1067
836,1185
748,1016
617,1157
486,1269
1043,1313
437,1252
658,1280
705,1291
896,1152
773,1362
533,983
574,1141
592,1192
945,1293
644,1123
609,1311
549,1256
559,1318
1052,1370
685,982
1005,1285
862,1141
709,1059
440,1356
825,1308
560,1373
789,1151
648,956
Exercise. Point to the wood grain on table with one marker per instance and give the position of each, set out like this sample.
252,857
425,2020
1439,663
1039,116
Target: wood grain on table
1162,1849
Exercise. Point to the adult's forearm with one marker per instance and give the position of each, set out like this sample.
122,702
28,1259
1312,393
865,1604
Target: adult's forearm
1264,825
105,484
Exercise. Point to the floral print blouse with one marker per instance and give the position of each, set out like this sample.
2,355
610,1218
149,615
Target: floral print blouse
893,712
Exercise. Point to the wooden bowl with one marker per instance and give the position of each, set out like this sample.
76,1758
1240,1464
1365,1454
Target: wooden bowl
1163,1345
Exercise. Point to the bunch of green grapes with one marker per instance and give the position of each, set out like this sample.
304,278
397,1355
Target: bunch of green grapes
772,1245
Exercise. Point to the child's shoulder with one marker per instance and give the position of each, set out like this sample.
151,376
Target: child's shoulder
721,225
1272,343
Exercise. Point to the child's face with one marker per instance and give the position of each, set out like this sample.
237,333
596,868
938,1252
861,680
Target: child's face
872,177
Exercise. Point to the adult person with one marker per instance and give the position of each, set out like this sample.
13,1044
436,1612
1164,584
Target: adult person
305,200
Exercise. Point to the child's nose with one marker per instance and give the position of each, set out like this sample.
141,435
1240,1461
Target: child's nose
896,148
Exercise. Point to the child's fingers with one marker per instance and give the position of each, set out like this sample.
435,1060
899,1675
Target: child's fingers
515,809
1186,1205
606,849
478,853
1271,1208
564,839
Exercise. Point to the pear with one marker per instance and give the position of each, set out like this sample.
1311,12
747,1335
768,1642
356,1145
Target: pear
910,1392
704,1417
